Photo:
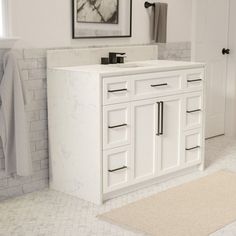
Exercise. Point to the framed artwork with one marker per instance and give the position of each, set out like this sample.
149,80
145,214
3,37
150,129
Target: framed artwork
101,18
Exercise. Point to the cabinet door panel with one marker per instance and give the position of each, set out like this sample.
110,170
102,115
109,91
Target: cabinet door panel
157,84
194,79
116,90
144,117
193,147
194,111
116,168
170,141
116,125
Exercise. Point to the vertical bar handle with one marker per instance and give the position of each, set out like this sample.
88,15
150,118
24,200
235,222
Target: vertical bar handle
158,118
162,117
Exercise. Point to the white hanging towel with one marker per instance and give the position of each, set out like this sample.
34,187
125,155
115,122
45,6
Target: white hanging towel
13,121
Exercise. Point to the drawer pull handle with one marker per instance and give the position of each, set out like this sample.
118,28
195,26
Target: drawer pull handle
117,126
160,123
121,168
189,149
158,85
193,111
117,90
194,80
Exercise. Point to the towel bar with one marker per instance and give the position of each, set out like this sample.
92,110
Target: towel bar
148,4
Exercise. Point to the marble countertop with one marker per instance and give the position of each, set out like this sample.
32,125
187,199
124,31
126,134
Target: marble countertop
134,67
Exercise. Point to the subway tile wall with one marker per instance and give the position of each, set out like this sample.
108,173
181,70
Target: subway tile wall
174,51
32,63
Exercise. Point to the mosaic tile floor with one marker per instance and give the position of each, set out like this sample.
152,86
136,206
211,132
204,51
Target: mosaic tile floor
50,213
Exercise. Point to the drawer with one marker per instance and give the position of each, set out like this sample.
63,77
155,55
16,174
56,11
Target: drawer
194,111
116,90
116,169
151,85
116,125
194,78
193,147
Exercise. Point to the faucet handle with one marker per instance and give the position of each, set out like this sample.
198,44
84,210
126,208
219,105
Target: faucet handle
113,56
121,53
121,59
117,53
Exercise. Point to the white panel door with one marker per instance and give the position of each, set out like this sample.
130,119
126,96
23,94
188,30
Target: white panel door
144,135
210,36
170,137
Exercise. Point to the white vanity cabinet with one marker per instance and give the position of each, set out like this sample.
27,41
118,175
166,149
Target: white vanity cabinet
113,130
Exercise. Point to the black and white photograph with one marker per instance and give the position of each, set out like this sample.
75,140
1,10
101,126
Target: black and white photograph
97,11
101,18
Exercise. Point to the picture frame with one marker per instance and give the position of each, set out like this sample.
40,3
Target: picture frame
101,19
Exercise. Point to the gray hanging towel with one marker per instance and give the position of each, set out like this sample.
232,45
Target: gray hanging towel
13,121
160,22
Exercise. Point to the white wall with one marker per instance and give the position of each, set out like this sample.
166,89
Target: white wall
47,23
1,20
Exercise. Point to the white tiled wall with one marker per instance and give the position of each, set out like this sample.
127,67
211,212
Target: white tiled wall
32,63
33,69
174,51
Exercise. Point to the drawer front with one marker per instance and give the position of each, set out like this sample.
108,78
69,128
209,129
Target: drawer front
116,169
116,90
194,111
116,125
193,147
195,78
151,85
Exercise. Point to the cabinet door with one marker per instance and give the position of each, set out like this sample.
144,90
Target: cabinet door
144,128
170,134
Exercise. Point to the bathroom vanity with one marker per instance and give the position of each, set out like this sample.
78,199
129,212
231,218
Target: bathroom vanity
117,128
